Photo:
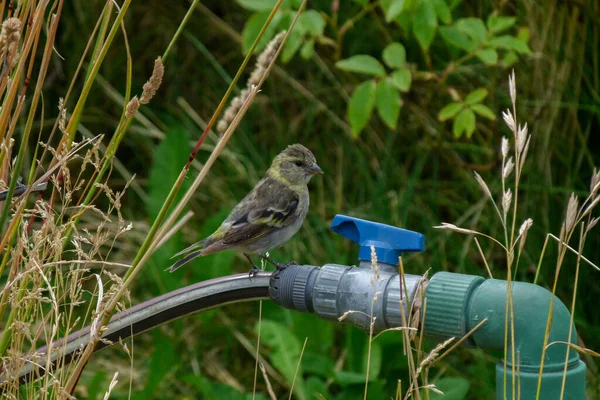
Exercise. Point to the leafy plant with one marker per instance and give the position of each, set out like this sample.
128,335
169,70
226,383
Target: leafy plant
463,112
308,30
424,20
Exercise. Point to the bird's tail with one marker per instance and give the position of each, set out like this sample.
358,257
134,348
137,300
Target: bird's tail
185,260
198,246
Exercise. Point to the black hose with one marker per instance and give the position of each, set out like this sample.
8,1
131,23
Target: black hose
189,300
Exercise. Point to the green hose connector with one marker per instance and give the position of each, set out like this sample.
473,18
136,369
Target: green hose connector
456,303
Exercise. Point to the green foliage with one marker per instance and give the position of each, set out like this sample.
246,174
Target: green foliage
285,354
362,64
453,388
309,27
160,363
168,158
411,175
388,102
463,113
211,390
361,106
425,24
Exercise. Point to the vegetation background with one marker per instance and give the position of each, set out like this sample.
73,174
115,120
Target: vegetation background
399,101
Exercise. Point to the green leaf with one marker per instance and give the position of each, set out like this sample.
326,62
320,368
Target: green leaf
253,27
523,34
509,59
361,106
449,111
345,378
464,123
313,22
211,390
320,333
394,55
453,37
361,2
425,24
318,364
488,56
484,111
316,388
474,28
402,78
443,11
167,159
392,8
285,353
453,388
476,96
257,5
308,49
159,364
292,45
388,102
510,43
497,24
363,64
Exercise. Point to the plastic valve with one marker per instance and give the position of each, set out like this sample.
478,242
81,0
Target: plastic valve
389,242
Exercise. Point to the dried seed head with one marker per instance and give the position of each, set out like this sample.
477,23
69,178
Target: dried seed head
374,266
483,185
452,227
594,182
509,119
592,223
512,87
10,33
521,137
525,226
9,39
232,110
62,115
523,232
507,168
571,213
505,146
433,354
265,58
150,87
506,201
132,107
524,154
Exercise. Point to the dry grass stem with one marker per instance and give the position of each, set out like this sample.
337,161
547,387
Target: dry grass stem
297,368
111,386
267,382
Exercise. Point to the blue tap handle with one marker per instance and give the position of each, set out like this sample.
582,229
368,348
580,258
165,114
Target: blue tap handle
389,242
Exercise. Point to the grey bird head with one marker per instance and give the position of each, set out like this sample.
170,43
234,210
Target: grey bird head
296,164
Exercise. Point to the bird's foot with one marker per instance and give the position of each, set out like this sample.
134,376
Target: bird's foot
253,271
277,265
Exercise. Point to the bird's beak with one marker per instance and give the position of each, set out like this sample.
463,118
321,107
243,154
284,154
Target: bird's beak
315,170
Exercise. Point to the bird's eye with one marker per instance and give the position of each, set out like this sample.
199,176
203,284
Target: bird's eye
298,163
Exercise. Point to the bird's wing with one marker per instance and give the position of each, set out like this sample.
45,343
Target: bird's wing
270,206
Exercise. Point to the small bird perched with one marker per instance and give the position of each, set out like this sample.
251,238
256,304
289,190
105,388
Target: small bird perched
269,215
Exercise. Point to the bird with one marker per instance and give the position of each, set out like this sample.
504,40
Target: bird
270,214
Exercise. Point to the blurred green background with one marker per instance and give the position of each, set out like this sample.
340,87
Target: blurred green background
375,127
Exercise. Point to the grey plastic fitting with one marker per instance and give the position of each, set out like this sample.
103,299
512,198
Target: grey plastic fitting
359,293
